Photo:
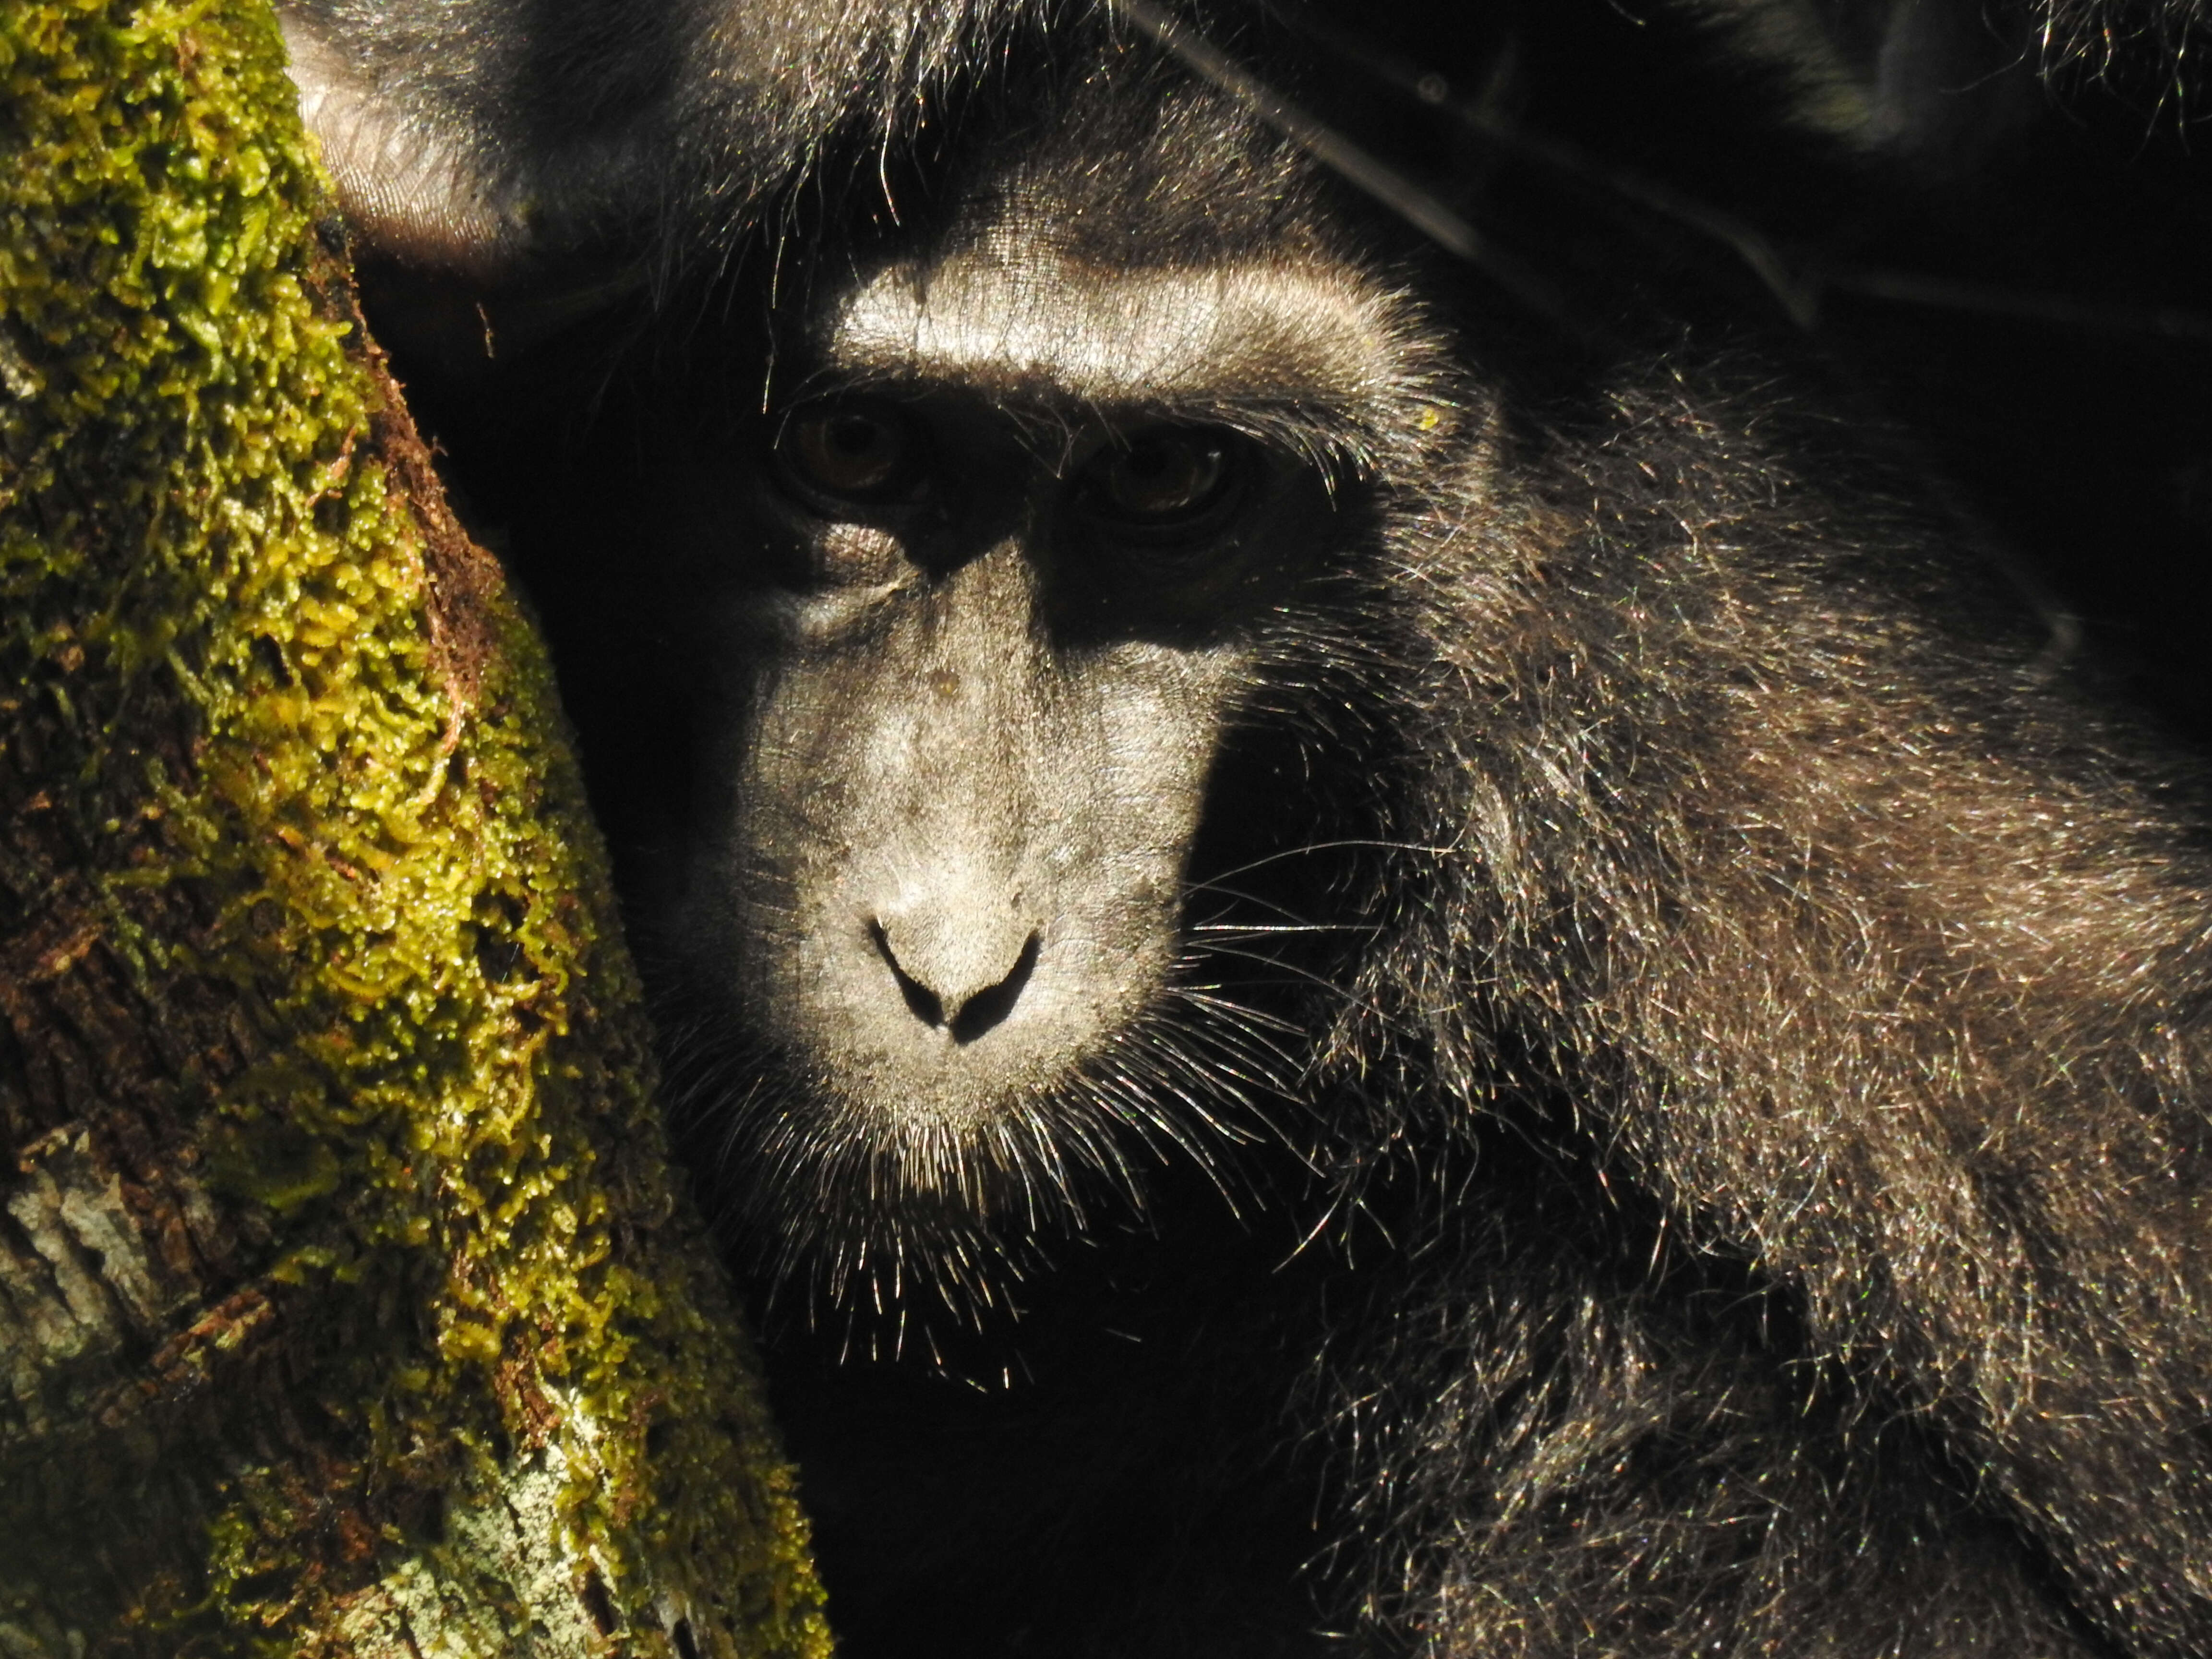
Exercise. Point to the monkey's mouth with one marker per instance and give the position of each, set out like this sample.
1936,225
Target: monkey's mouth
859,1128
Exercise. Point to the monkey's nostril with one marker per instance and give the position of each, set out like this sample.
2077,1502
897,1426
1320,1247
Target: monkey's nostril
994,1002
963,1014
927,1005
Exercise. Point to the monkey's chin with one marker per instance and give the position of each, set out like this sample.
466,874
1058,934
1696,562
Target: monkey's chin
874,1181
869,1199
998,1131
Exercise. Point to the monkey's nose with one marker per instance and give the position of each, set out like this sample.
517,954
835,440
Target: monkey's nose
956,975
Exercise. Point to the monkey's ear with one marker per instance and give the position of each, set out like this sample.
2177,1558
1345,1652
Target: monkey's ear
422,177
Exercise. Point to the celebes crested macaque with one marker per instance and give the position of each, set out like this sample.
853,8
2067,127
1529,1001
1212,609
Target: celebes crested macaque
1354,982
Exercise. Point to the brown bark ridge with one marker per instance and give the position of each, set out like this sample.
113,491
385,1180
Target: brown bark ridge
347,1306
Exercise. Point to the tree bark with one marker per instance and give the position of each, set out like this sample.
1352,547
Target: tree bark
348,1305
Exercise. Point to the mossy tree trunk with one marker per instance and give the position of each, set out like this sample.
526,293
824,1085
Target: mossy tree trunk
346,1305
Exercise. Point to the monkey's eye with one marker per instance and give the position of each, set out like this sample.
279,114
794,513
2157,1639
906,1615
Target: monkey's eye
849,452
1164,480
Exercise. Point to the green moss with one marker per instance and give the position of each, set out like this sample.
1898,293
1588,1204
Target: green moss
436,1128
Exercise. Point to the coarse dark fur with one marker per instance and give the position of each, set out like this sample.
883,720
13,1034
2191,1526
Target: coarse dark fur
1663,1112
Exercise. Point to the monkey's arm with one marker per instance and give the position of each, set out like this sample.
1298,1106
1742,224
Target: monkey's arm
1659,1476
1960,1107
426,172
1879,968
495,140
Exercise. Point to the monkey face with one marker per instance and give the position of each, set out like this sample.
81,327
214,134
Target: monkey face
944,702
974,739
964,773
991,645
990,596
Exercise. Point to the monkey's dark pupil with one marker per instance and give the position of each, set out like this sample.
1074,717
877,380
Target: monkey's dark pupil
1165,476
854,437
848,453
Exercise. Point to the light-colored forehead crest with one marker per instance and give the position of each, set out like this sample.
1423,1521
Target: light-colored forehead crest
1025,322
